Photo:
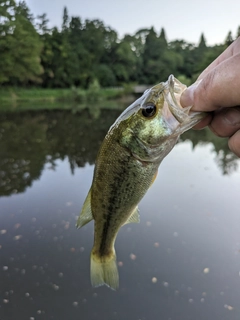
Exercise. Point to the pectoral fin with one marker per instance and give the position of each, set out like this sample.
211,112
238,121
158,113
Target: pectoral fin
134,217
86,213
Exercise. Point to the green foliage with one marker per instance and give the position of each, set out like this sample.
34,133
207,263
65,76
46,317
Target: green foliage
20,46
210,55
93,93
154,56
86,52
105,75
182,78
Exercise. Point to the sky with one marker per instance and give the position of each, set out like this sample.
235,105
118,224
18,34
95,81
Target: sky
181,19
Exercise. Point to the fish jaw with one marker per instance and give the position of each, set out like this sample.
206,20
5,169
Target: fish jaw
185,117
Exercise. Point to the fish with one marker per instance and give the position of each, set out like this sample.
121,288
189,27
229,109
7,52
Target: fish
126,166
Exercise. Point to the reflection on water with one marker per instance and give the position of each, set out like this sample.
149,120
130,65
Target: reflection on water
30,140
182,262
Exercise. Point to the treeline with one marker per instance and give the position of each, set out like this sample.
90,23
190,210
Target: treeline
81,52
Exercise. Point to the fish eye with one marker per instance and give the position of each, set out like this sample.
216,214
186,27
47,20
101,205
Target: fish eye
149,110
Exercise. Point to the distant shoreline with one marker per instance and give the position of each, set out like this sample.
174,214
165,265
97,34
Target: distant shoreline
19,99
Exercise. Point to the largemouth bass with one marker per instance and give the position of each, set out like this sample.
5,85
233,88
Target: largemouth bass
126,166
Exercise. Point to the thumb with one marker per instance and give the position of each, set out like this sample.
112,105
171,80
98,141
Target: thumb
218,88
187,97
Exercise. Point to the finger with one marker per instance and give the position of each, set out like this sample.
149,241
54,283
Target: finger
226,122
234,143
204,122
219,88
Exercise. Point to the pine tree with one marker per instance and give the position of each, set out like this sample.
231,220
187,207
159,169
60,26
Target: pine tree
202,43
65,22
42,23
229,39
162,37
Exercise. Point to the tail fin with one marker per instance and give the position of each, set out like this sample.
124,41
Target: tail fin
104,270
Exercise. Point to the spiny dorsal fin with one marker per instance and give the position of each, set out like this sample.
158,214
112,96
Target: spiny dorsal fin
86,213
134,217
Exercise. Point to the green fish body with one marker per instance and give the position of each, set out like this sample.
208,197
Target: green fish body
126,166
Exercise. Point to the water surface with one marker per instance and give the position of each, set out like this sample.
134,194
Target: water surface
181,262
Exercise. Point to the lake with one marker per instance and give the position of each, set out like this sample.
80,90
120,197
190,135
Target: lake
181,262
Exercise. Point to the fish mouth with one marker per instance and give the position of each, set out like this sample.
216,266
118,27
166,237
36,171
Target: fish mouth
175,87
185,118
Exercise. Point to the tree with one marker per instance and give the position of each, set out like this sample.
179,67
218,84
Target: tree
42,24
162,37
7,13
156,58
198,55
125,59
186,52
78,64
81,52
229,39
202,43
65,19
210,55
20,47
46,55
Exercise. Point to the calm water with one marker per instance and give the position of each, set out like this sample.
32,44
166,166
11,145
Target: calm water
181,262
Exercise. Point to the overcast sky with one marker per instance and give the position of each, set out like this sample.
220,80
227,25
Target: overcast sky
181,19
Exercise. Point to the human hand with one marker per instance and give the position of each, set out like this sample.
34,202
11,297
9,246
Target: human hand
217,91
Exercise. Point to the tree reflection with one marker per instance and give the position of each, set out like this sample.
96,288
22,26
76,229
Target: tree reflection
225,159
31,140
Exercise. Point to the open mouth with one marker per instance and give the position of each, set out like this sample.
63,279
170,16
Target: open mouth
185,118
172,95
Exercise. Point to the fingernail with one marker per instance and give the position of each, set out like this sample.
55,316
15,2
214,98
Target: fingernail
232,116
187,97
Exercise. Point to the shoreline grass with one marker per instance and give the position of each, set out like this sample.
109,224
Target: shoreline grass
19,99
21,94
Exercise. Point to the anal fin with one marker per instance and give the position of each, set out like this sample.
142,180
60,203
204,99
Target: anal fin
86,212
154,177
134,217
